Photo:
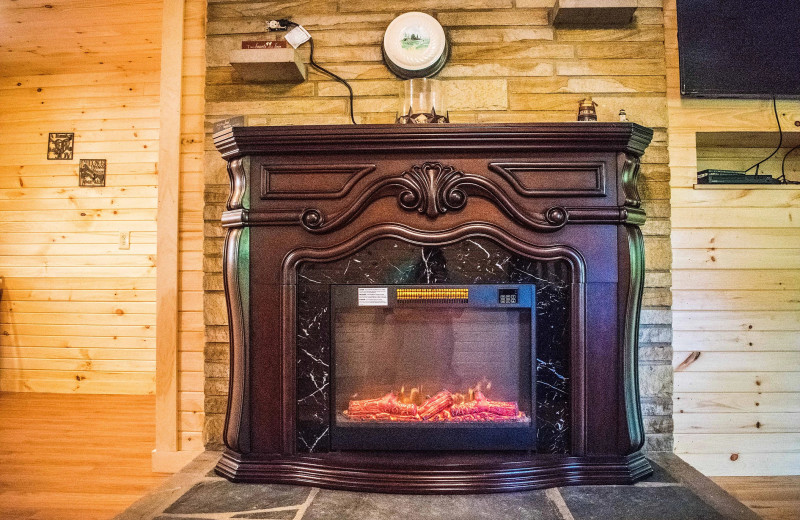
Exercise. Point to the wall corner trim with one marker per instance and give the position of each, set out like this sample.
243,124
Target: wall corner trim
167,224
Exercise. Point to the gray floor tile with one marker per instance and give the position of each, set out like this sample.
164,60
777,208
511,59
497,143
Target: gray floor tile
174,518
340,505
659,475
221,496
275,515
636,503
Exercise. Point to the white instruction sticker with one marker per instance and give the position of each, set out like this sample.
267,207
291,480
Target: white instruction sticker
373,296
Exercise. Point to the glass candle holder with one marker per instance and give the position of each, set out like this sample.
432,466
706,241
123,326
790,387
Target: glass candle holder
422,100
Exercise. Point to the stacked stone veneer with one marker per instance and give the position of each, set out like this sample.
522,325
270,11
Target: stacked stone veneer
507,65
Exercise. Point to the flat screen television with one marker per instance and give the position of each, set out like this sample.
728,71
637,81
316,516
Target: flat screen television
739,48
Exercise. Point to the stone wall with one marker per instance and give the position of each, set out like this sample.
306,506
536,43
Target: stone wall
507,65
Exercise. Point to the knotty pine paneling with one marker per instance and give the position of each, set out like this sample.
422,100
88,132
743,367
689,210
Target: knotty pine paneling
507,65
736,287
90,36
78,313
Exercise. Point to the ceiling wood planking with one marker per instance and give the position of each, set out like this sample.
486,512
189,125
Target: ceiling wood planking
79,36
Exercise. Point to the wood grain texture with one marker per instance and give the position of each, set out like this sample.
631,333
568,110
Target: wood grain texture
93,36
78,313
79,457
76,306
167,244
773,498
736,284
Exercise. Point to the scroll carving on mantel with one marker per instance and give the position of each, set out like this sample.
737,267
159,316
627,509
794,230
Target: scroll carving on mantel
629,173
433,189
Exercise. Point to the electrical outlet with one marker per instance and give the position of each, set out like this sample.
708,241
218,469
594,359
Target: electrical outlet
124,239
277,25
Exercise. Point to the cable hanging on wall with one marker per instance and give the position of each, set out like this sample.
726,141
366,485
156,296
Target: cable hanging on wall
780,139
299,39
782,178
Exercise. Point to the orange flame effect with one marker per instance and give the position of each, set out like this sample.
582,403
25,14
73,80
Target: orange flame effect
471,406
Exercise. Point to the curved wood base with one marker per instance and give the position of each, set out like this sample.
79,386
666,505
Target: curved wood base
434,474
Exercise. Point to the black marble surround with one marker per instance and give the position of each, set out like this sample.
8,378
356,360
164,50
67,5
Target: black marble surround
469,261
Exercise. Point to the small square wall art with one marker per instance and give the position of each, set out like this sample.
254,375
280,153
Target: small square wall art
60,145
92,172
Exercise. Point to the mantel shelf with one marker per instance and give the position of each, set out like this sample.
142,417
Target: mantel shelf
746,186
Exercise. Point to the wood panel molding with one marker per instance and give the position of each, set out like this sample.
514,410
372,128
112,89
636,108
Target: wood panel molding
283,181
538,179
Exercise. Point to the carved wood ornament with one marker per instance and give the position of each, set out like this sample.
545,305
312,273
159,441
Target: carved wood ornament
433,189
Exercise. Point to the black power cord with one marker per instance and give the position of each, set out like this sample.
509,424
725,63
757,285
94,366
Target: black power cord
783,178
780,141
288,23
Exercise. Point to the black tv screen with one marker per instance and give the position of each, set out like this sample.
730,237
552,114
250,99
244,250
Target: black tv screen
739,48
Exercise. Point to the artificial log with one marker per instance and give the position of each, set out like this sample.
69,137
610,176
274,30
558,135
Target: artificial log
439,408
386,404
435,405
483,405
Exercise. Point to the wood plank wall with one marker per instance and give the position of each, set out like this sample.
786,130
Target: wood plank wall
507,65
191,379
77,313
736,288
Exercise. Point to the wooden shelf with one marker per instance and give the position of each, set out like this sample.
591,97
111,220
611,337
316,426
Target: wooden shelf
269,65
791,137
596,13
741,150
746,186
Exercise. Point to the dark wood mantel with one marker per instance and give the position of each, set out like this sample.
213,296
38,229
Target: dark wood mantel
310,194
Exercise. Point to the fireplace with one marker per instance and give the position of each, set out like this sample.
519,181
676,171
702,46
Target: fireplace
434,309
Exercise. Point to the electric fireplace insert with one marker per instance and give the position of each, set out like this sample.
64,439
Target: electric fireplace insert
433,367
434,308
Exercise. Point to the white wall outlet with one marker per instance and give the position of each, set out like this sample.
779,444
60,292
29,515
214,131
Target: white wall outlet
124,239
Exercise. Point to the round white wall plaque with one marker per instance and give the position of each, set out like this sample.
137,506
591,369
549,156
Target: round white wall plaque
415,46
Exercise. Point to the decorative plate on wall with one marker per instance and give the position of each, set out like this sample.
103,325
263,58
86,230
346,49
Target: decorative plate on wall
415,46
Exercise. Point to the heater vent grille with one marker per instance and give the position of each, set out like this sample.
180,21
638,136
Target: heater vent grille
433,295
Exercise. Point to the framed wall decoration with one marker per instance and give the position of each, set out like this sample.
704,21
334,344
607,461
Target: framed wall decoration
92,172
60,146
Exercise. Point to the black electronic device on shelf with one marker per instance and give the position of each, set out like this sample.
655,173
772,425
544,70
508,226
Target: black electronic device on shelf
711,176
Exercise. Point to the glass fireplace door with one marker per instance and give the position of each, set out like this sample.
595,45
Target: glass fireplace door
433,367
